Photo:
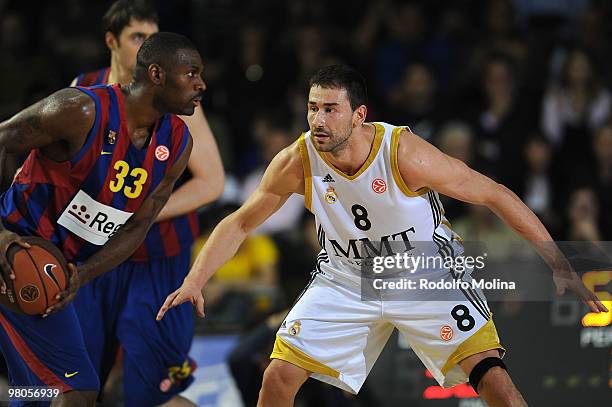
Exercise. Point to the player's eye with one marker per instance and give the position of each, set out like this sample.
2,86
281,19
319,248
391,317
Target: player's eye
313,108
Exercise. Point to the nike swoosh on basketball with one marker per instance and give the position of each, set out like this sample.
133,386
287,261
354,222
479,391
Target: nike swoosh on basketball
48,271
69,375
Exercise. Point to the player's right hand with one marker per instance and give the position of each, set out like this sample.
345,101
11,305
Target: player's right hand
7,238
572,281
189,291
69,294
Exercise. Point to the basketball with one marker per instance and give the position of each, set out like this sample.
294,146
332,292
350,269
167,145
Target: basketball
40,274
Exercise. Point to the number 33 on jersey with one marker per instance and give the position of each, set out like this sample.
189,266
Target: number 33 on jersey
123,170
89,198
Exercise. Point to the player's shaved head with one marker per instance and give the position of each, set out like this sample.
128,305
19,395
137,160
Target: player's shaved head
161,49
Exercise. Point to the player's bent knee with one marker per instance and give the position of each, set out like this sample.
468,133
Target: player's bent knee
281,376
480,370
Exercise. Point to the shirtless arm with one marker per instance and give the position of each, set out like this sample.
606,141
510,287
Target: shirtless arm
423,165
57,125
283,177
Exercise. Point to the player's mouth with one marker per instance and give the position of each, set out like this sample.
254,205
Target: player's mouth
320,136
196,101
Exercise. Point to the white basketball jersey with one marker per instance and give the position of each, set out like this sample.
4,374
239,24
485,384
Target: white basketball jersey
357,214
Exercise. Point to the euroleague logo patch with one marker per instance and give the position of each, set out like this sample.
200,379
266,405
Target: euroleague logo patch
446,333
29,293
162,153
379,185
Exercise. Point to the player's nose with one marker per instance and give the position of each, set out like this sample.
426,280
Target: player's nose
318,119
200,84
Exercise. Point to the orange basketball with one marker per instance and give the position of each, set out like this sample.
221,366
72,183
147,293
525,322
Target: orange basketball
40,274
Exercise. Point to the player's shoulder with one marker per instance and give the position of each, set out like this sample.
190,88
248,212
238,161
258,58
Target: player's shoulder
72,103
91,78
286,172
288,162
409,142
290,156
67,114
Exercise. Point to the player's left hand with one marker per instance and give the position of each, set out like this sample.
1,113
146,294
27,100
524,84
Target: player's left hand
189,291
66,296
573,281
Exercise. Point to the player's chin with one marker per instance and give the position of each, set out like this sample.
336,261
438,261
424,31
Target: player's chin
187,111
323,146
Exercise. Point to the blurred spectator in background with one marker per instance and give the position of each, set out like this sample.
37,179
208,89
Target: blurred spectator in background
412,101
501,33
393,34
575,107
250,81
601,176
538,190
273,133
582,216
501,121
457,140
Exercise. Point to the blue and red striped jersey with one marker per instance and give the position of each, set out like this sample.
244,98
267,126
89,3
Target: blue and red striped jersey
99,77
166,238
79,204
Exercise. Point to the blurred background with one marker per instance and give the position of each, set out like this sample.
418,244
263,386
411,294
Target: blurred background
518,89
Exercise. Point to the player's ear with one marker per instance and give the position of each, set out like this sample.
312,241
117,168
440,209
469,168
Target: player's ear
157,74
359,115
111,41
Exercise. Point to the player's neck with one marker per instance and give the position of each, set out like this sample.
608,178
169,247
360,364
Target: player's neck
140,112
119,74
354,154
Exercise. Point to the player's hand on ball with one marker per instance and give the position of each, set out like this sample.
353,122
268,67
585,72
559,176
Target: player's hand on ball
8,238
573,281
68,295
189,291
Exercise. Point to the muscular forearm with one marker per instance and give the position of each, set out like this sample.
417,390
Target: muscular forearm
509,207
220,247
189,197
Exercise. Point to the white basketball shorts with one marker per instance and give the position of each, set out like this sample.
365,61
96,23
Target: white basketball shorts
337,337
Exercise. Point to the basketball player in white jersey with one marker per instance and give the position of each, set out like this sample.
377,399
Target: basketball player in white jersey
371,182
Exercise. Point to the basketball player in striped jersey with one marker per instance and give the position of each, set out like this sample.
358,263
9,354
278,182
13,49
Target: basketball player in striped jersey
368,182
156,362
102,164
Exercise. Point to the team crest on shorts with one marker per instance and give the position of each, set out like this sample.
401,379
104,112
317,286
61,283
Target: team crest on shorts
294,329
446,333
331,196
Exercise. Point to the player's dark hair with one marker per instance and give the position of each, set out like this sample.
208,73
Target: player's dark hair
119,14
160,48
342,77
